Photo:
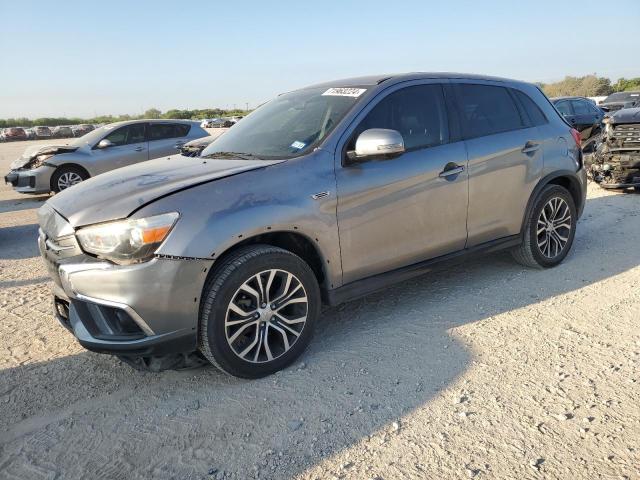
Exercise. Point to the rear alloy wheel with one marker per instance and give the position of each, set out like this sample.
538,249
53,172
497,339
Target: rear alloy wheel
67,176
258,313
549,230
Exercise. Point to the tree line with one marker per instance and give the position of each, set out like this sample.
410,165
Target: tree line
589,86
151,113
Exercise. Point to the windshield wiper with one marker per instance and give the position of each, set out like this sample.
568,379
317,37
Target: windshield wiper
239,155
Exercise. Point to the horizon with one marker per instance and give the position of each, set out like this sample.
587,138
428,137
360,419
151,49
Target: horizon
61,62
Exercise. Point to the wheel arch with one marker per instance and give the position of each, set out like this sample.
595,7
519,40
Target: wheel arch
294,242
66,165
563,178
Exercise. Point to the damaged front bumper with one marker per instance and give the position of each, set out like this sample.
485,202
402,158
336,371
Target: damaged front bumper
36,180
616,162
145,310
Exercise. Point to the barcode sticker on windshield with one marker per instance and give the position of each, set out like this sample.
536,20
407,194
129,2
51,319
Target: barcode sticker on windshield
297,145
345,92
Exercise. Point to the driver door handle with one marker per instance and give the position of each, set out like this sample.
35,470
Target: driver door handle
139,149
458,169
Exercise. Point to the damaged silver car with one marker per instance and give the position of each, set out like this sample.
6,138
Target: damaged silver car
616,162
53,168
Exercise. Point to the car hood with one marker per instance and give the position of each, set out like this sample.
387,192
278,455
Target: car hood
118,193
628,115
36,150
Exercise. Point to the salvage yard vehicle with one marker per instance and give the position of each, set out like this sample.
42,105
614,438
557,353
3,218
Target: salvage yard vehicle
195,147
616,162
583,115
323,194
53,168
80,130
620,100
42,132
14,133
62,132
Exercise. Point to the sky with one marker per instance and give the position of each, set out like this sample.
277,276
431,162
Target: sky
83,58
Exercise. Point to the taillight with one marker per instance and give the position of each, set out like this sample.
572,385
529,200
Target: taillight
576,137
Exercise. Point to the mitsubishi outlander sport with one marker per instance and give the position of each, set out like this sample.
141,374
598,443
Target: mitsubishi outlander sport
321,195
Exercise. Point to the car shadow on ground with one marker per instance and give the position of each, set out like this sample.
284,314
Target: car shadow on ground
372,361
19,242
24,203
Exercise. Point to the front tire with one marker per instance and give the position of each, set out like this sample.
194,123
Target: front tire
67,176
258,311
549,229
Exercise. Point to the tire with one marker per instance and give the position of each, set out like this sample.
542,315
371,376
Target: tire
530,253
232,319
70,173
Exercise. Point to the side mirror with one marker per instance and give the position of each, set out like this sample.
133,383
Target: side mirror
104,143
377,143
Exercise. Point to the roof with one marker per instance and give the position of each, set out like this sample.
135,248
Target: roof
154,120
398,77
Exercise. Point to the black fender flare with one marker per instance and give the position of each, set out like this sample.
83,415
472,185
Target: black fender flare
575,189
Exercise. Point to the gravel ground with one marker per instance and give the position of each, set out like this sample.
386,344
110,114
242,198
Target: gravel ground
482,369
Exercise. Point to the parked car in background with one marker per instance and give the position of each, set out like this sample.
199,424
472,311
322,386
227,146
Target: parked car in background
323,194
582,114
31,133
80,130
42,132
42,169
15,133
62,132
620,100
194,147
205,123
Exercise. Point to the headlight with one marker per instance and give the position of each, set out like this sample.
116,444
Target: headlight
38,160
127,241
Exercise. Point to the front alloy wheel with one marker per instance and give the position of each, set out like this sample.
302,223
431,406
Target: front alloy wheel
258,311
67,180
266,316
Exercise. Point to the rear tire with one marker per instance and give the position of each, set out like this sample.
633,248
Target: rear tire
67,176
549,230
258,311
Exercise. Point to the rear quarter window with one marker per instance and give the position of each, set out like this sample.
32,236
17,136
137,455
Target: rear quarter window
531,109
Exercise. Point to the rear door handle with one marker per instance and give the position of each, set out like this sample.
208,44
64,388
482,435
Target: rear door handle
451,171
139,149
179,144
530,147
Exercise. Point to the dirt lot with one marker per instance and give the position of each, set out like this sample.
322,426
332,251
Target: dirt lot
482,369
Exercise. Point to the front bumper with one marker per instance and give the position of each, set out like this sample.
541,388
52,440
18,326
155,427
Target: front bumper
146,309
37,180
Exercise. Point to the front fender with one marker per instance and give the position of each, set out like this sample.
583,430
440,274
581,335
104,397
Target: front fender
216,216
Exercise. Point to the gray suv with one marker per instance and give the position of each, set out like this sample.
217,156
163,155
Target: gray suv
52,168
322,195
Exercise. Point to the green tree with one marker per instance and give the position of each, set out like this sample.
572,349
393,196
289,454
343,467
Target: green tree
587,86
624,85
152,113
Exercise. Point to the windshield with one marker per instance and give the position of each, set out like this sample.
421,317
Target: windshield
622,97
288,126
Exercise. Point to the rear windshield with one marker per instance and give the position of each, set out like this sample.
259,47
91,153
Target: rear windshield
288,126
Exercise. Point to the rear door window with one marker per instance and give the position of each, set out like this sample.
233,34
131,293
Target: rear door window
487,109
580,107
417,112
161,131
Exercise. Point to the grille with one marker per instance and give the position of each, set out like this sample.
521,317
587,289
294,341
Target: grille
627,133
